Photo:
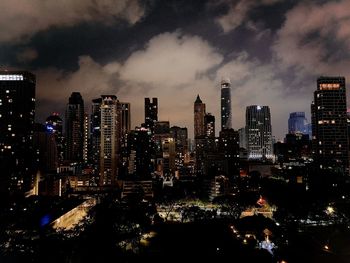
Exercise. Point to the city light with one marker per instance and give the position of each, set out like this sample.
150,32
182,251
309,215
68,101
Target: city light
11,77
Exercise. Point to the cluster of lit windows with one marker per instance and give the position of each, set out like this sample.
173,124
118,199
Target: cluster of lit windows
329,86
11,77
326,122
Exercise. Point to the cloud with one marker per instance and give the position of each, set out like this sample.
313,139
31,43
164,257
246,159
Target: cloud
27,55
238,13
172,67
315,39
171,59
54,86
21,19
175,68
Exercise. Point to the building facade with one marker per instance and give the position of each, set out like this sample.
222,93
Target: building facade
259,133
151,112
54,125
17,112
228,145
199,113
75,128
226,111
95,132
109,140
329,124
141,152
209,124
124,112
297,123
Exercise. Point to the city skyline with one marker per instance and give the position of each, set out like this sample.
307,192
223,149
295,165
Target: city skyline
131,130
178,49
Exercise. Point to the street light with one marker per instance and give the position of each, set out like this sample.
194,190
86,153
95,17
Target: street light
329,210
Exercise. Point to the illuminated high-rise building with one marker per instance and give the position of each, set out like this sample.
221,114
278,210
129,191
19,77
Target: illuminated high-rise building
151,112
75,128
209,124
86,140
199,113
329,124
226,111
95,131
109,140
17,111
259,134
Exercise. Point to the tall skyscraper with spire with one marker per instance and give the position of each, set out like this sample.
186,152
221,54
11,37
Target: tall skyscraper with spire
226,110
329,124
75,128
199,113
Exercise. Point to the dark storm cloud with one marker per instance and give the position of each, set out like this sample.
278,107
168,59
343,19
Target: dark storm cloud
22,19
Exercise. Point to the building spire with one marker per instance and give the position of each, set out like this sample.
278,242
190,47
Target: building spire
198,100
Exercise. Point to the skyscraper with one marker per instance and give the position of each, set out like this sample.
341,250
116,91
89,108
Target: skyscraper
209,124
181,143
54,125
228,145
109,140
75,128
329,124
199,113
17,110
95,131
141,153
297,123
125,117
151,112
44,141
242,138
259,134
124,123
86,140
226,112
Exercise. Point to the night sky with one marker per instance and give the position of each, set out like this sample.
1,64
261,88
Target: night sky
272,51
